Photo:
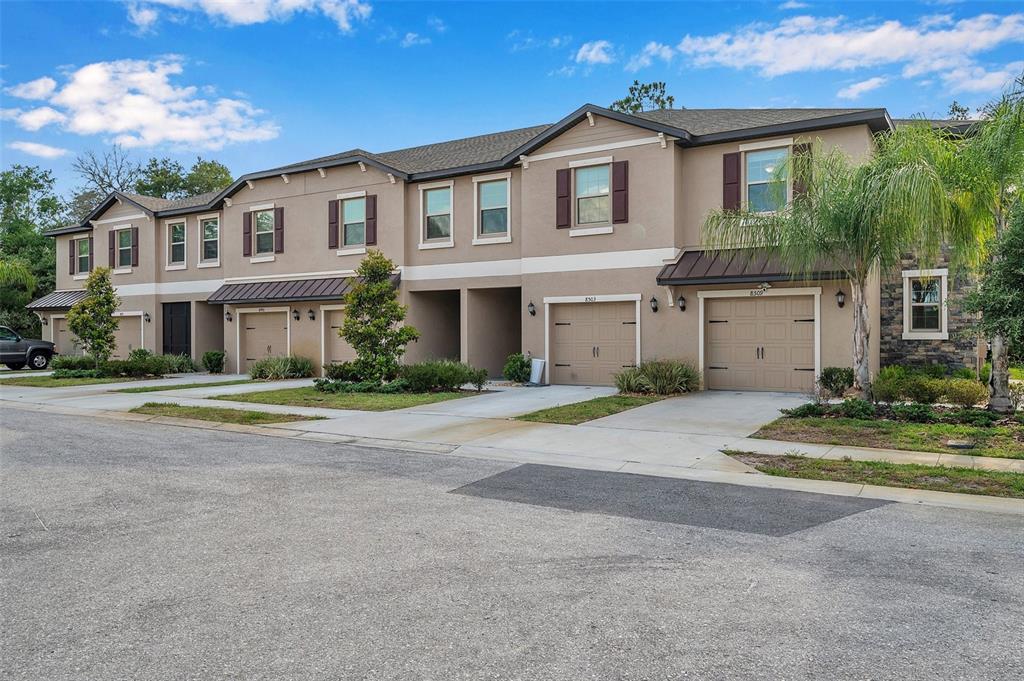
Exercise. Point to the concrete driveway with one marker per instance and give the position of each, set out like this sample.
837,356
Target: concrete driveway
506,403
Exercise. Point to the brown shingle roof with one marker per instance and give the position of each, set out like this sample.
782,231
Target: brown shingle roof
710,121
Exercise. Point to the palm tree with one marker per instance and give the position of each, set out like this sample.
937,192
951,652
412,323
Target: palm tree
14,273
856,218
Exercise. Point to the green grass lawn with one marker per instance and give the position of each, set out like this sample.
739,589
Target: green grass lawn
1000,441
181,386
219,414
581,412
914,476
1017,373
311,397
51,382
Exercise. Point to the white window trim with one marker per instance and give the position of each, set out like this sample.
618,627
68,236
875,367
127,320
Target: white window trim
238,330
611,298
351,250
599,161
118,268
354,249
591,231
943,276
786,144
202,241
478,238
437,243
361,194
79,274
590,228
323,330
121,270
262,258
79,277
168,265
744,293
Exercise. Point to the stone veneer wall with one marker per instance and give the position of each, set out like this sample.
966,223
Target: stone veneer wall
959,350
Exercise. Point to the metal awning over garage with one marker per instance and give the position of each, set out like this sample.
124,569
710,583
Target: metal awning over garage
332,288
58,300
730,266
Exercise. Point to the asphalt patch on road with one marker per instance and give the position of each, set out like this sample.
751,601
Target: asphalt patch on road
714,505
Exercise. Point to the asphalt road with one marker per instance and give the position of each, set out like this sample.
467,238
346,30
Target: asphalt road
140,551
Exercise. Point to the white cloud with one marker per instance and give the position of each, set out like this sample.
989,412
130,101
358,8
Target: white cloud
40,88
413,39
40,150
652,50
136,104
523,41
973,78
793,4
857,89
437,24
595,52
244,12
144,18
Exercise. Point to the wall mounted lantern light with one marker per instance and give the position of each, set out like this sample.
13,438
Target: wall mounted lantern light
227,316
681,301
654,304
146,318
532,309
296,315
840,298
44,320
311,315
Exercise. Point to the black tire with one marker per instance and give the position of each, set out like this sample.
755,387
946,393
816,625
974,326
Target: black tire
14,366
39,360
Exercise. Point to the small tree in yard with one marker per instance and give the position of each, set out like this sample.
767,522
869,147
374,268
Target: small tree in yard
373,319
999,297
92,318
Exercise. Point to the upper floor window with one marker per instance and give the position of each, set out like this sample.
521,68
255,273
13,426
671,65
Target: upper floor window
83,258
766,185
438,213
209,229
493,204
593,206
124,247
176,243
353,219
924,304
263,231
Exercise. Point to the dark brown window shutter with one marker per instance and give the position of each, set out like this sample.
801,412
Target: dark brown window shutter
135,246
801,161
731,181
371,220
110,249
72,248
332,223
246,234
91,255
620,192
563,204
279,230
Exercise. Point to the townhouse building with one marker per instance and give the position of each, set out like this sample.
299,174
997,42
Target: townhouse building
578,242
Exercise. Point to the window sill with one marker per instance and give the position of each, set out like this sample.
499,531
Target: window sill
262,258
437,244
174,268
212,263
352,250
121,270
591,231
80,277
484,240
925,335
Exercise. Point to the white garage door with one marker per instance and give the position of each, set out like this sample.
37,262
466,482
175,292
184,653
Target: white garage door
127,337
65,341
264,334
590,342
335,347
764,343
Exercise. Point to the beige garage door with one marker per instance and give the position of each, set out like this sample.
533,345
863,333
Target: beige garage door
764,343
65,341
335,347
592,341
127,337
264,334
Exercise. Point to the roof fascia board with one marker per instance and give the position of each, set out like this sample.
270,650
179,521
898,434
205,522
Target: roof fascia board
86,225
876,119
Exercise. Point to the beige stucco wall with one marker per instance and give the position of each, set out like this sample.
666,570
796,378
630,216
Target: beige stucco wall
493,325
436,315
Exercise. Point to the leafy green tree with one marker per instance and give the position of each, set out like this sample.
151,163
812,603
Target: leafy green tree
856,218
373,320
999,296
206,176
92,318
161,177
28,206
958,112
644,97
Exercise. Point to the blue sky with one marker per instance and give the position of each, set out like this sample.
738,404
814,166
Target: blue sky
257,83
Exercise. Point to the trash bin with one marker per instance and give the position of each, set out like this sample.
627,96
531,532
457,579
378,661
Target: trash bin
536,371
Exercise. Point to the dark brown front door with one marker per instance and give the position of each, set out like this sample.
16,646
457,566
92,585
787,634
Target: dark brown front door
177,328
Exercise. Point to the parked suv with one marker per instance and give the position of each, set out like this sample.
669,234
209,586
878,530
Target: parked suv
16,351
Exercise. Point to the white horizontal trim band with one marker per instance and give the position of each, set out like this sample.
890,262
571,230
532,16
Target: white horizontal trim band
648,257
104,221
596,148
198,286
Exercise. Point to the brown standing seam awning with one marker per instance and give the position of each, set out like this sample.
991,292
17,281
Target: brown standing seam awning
730,266
283,291
57,300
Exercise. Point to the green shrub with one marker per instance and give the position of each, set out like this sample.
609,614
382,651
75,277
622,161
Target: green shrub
929,370
980,418
439,375
73,362
278,368
986,371
327,385
811,409
923,389
887,390
632,381
213,361
854,408
341,371
478,377
964,372
965,392
517,368
915,412
836,380
77,373
1016,395
179,364
668,376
